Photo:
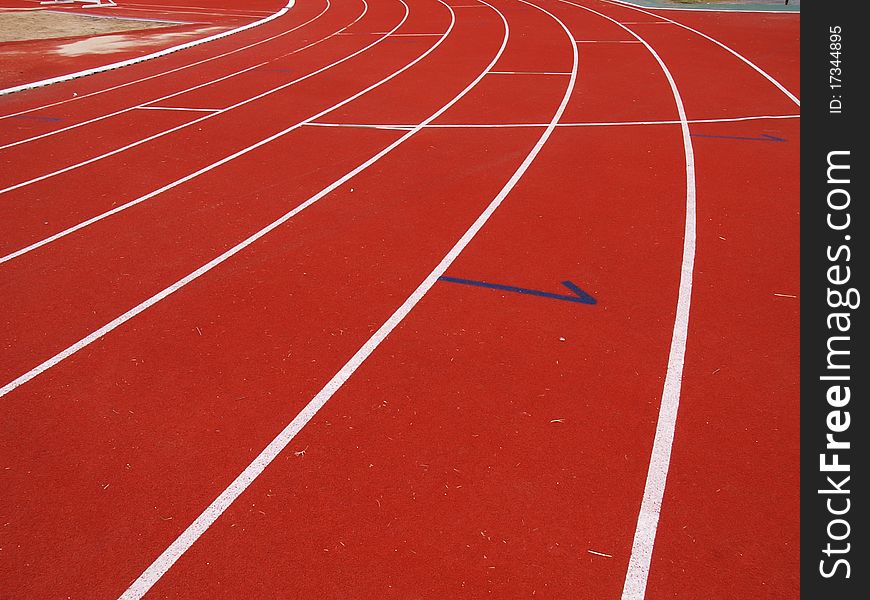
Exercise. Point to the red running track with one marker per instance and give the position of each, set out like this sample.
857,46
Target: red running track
182,289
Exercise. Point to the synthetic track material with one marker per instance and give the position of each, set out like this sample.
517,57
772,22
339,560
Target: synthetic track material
444,440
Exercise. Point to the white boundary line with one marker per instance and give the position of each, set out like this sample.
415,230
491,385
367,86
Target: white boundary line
165,132
204,84
528,73
141,307
178,108
583,124
751,64
654,489
138,59
606,41
202,523
226,159
169,72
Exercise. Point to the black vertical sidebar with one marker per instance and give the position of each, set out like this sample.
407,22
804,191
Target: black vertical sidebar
834,265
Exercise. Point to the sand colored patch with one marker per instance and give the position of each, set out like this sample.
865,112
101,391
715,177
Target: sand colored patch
108,44
46,24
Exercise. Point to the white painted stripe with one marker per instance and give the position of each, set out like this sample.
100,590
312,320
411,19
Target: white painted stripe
394,35
607,41
183,91
748,62
195,121
582,124
164,73
181,108
528,73
109,115
660,457
115,323
205,520
138,59
223,161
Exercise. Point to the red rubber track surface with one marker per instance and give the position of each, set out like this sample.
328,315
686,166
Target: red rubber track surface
495,444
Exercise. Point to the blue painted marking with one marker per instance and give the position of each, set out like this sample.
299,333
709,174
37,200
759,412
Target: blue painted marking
578,295
37,118
762,138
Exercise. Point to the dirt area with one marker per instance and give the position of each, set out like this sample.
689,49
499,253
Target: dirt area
46,24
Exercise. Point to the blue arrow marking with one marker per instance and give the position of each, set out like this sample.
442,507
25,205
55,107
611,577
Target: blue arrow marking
578,295
762,138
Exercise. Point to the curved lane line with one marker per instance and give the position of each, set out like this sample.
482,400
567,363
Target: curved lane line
183,91
226,159
636,576
138,59
142,306
215,113
164,73
751,64
165,561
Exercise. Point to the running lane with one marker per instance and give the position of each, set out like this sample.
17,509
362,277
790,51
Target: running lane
198,219
89,129
40,206
771,40
164,432
494,443
730,515
496,425
79,89
82,100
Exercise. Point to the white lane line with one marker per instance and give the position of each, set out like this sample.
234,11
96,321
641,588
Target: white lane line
579,124
751,64
118,321
169,72
223,161
180,108
205,520
138,59
606,41
528,73
636,576
394,35
179,92
165,132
